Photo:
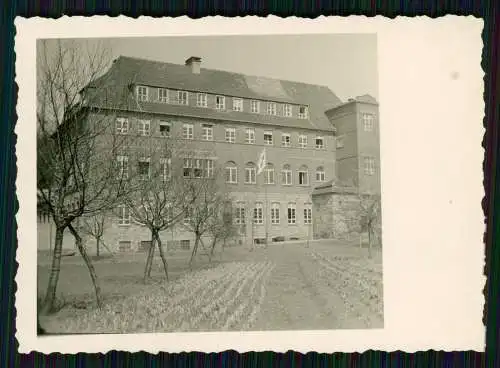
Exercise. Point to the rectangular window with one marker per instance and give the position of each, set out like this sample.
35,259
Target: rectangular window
230,135
368,122
249,136
237,104
187,131
255,106
123,215
269,175
165,164
303,178
250,175
286,177
209,168
207,132
339,142
258,214
121,126
320,143
302,141
143,168
201,100
142,93
239,215
369,166
231,175
307,215
287,110
164,129
320,175
182,97
303,112
162,95
268,138
275,213
271,108
286,140
122,162
291,215
124,245
220,102
144,127
198,168
187,167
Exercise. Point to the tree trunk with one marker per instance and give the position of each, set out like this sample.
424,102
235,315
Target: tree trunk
162,255
195,248
88,263
212,248
50,295
149,259
109,250
98,239
369,243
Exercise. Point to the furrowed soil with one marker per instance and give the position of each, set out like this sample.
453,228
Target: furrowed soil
322,286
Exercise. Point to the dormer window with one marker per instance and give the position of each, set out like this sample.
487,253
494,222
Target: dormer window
201,100
220,102
237,104
163,95
255,106
287,110
182,97
271,108
303,112
142,93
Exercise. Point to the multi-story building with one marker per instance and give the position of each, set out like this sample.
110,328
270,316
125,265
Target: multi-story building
310,137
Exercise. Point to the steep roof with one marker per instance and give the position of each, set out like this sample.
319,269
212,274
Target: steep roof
127,71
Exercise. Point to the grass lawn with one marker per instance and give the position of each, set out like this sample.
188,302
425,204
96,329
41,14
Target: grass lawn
284,286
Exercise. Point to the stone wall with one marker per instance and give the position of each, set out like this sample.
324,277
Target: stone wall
336,216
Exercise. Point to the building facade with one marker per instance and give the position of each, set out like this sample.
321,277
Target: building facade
310,138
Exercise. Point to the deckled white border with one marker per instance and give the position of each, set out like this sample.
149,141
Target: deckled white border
431,133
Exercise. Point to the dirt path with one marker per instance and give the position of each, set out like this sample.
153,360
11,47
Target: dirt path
294,299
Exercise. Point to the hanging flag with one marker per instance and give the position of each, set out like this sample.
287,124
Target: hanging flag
262,162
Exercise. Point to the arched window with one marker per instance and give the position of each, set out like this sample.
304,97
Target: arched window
286,175
303,175
269,174
231,173
250,173
320,174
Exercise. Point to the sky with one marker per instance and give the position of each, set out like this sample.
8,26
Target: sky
346,63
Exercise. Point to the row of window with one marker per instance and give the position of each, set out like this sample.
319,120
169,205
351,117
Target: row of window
204,168
144,128
275,216
250,176
182,98
240,214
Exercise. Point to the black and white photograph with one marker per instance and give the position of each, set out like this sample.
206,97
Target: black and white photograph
195,184
253,184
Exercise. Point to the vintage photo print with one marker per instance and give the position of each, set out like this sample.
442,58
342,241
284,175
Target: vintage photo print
249,190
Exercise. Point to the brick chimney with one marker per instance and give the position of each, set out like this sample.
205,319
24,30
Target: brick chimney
194,63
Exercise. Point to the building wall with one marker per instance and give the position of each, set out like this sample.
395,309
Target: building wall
369,145
357,144
336,215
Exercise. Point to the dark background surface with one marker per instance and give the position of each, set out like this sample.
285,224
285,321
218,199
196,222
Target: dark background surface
489,10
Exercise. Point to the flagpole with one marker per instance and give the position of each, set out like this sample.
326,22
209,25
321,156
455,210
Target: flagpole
266,208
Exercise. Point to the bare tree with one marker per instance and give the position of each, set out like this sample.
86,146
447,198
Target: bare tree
158,199
369,211
76,175
221,226
95,226
369,217
208,205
